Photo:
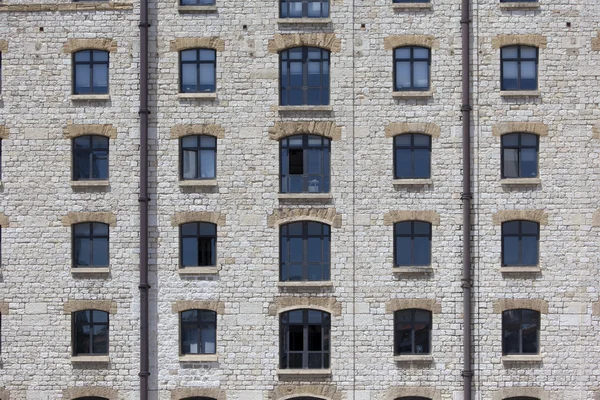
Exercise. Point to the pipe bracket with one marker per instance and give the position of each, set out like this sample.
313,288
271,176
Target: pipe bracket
468,373
144,374
144,111
466,284
466,196
466,107
144,24
144,286
143,199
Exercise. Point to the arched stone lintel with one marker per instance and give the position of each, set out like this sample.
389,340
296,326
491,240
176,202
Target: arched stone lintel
212,42
108,306
198,216
429,41
534,40
213,305
539,216
430,216
288,40
536,128
4,222
504,393
285,215
183,393
75,130
323,128
327,304
77,392
179,131
3,46
501,305
426,128
429,392
4,308
321,391
596,42
74,45
4,131
100,216
403,304
596,218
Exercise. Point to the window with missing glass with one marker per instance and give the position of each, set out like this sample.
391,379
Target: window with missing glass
304,339
90,72
520,243
305,164
197,2
304,76
198,332
303,8
411,68
90,245
412,243
520,332
412,332
519,68
198,157
90,158
90,332
198,69
520,155
198,244
305,249
412,156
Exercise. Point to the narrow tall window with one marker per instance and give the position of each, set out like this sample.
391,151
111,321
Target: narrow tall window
198,244
520,332
412,156
198,69
304,339
90,157
411,68
305,164
305,251
519,155
304,76
412,332
519,68
90,72
520,243
198,332
198,157
304,9
90,332
90,245
412,243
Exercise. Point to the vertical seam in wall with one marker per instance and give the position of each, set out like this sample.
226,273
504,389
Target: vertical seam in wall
353,27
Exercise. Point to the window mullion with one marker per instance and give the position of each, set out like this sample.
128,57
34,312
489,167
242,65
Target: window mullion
304,339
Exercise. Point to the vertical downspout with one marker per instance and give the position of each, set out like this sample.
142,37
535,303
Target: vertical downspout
466,197
143,199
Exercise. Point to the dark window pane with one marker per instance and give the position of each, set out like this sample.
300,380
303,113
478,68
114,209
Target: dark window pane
304,251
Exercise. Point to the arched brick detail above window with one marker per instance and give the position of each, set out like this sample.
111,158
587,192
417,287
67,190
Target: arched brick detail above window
535,392
74,45
285,392
404,304
4,222
286,41
213,305
285,215
323,128
596,42
327,304
108,306
536,128
78,217
75,130
395,392
4,132
429,41
198,216
534,40
501,305
539,216
77,392
392,217
3,46
426,128
179,131
212,42
184,393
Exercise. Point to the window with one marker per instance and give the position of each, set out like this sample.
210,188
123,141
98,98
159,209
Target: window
412,243
412,332
198,244
90,72
519,68
304,339
304,76
198,332
305,164
304,251
304,9
198,69
520,243
198,157
90,157
520,332
90,245
411,68
197,2
412,156
90,332
519,155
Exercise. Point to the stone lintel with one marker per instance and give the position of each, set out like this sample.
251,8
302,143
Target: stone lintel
213,305
4,309
212,42
73,45
426,128
537,128
398,392
501,305
285,215
403,304
91,391
74,130
285,392
4,222
596,43
184,393
3,46
179,131
596,132
539,216
4,132
106,217
198,216
328,304
323,128
430,216
42,7
288,40
511,392
596,308
394,41
534,40
596,218
108,306
4,394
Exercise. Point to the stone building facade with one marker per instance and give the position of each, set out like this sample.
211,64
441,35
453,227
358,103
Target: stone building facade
39,202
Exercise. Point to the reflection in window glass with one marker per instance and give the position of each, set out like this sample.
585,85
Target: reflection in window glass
520,331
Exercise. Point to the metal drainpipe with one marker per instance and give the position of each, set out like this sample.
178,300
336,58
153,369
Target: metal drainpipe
143,200
466,197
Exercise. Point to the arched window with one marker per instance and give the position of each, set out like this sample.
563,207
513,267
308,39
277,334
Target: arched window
90,245
412,243
304,76
520,332
90,332
305,251
197,73
198,244
304,8
520,243
411,68
412,156
198,157
519,69
412,331
90,157
90,72
198,332
305,164
304,339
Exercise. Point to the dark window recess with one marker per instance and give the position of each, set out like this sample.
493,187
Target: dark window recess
198,244
520,243
304,8
412,243
90,158
305,251
411,68
412,156
197,2
304,339
520,155
519,69
90,332
412,332
198,157
520,332
90,245
198,332
304,76
90,72
305,164
198,69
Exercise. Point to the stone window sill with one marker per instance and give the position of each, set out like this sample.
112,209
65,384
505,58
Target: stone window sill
520,181
198,183
90,183
519,5
197,96
522,358
90,359
198,271
83,97
414,358
412,6
303,21
520,93
312,373
305,284
521,270
303,108
90,271
413,94
197,9
412,270
199,358
412,182
305,196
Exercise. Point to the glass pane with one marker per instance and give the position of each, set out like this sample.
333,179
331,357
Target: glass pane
207,74
207,164
208,141
296,253
100,256
295,97
510,341
530,339
100,344
511,163
190,340
188,55
100,55
420,52
403,79
188,79
403,164
209,340
510,228
314,250
314,317
529,228
510,254
314,161
315,360
528,69
295,54
295,228
422,228
421,75
511,139
529,162
314,73
189,252
403,340
403,251
82,252
422,251
82,79
403,53
295,10
510,75
422,338
189,141
402,140
316,273
510,52
314,10
295,272
82,56
529,250
314,228
190,164
314,97
422,163
420,140
100,165
100,78
100,229
100,316
82,229
207,229
528,52
207,55
296,74
402,228
189,229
